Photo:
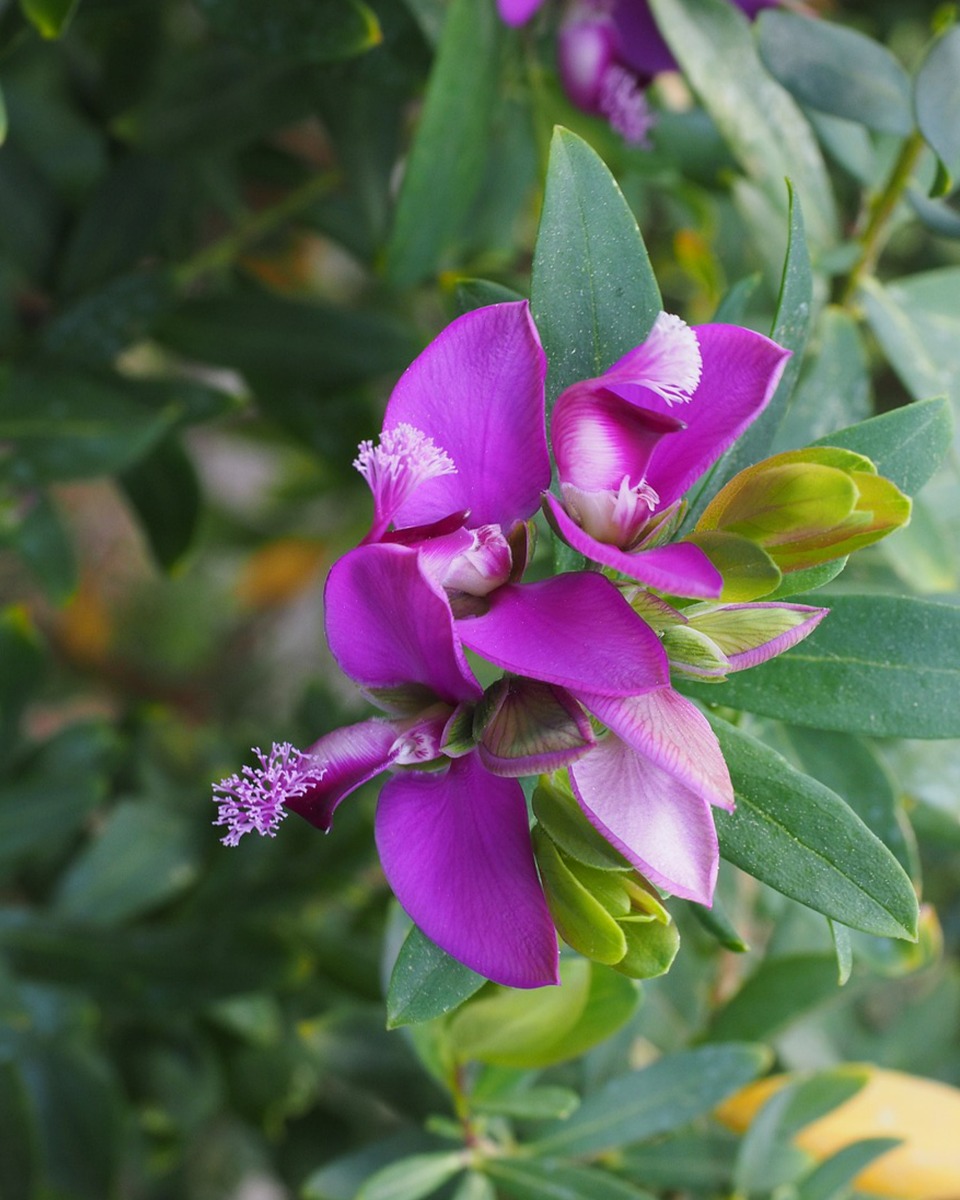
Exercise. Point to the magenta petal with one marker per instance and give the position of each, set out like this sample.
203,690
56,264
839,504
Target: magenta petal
389,626
517,12
347,758
477,391
679,567
659,825
741,370
574,630
455,848
673,733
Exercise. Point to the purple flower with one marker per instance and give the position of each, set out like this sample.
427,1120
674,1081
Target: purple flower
608,52
462,457
629,443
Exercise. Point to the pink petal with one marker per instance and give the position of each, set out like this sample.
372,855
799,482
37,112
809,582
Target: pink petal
517,12
679,567
347,757
741,370
659,825
477,391
574,630
599,438
672,732
455,848
668,362
388,625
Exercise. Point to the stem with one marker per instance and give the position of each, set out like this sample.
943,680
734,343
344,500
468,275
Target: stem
875,235
223,252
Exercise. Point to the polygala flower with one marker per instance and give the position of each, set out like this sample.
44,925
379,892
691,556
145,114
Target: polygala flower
629,444
608,52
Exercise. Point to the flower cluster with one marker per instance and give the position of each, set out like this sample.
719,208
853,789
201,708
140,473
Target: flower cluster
608,51
585,700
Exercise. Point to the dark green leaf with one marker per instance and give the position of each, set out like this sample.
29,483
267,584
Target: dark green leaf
18,1162
905,445
447,159
143,856
937,100
98,326
593,292
688,1160
287,340
851,768
426,982
883,666
643,1104
476,293
778,992
165,493
50,17
837,70
314,30
796,835
21,664
760,121
44,545
77,1120
831,1180
546,1179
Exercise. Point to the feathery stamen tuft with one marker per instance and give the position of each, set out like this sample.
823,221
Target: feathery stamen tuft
253,801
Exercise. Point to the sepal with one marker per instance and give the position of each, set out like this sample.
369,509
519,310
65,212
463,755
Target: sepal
524,727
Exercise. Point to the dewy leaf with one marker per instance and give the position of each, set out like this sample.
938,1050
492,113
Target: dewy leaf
643,1104
535,1179
426,982
593,293
837,70
793,833
936,99
882,666
905,445
760,121
439,179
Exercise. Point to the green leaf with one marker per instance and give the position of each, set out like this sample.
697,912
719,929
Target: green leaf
593,293
545,1179
534,1104
22,662
807,580
288,341
456,113
917,322
558,811
760,121
70,425
936,99
426,982
143,857
165,494
643,1104
837,70
796,835
831,1180
843,948
313,30
19,1168
851,768
412,1178
905,445
581,920
49,17
102,323
767,1158
778,992
882,666
611,1002
833,390
698,1161
476,293
43,543
651,948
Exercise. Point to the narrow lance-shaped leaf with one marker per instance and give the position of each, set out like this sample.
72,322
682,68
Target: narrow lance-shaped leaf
937,101
593,293
446,162
426,982
793,833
